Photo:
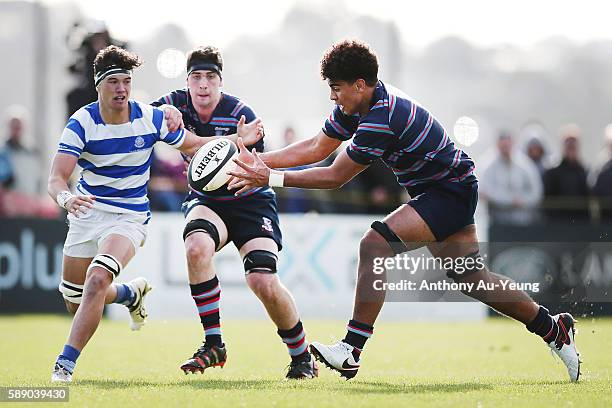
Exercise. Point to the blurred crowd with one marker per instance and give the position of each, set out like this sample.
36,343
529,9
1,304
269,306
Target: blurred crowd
523,183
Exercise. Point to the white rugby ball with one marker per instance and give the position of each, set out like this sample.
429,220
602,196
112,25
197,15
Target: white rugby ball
209,166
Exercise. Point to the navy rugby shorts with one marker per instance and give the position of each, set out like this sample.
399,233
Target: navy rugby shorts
248,217
446,207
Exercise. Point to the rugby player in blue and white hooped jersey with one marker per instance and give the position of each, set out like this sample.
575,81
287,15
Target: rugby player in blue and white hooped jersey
111,140
215,218
382,125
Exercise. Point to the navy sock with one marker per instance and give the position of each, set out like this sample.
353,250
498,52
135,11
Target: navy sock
207,296
357,334
543,325
125,294
295,339
68,358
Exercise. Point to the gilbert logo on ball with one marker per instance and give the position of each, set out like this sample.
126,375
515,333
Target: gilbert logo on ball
208,168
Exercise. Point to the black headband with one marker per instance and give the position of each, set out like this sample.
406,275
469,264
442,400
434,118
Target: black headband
108,71
204,67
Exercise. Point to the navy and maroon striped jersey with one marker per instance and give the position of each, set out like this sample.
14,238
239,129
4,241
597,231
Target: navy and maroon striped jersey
406,137
224,121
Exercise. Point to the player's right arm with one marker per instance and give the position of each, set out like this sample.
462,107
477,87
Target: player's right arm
61,170
71,145
302,153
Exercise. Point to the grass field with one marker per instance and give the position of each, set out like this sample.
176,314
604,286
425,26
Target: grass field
495,363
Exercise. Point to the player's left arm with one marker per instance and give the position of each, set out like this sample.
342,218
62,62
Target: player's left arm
342,170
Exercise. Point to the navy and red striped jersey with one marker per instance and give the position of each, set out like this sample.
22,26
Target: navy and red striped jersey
224,121
408,138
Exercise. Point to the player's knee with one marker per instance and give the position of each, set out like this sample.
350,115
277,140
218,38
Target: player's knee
200,229
372,244
260,270
265,286
469,267
98,279
199,249
260,261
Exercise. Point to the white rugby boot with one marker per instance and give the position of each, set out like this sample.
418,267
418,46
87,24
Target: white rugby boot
564,345
138,313
60,374
337,356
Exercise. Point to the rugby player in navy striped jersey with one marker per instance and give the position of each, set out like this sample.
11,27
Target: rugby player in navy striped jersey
215,218
383,125
112,142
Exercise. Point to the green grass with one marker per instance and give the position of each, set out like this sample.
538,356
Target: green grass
495,363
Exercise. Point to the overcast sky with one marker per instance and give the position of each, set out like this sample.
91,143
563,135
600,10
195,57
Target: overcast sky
482,22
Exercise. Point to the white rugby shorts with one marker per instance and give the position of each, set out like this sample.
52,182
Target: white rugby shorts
87,232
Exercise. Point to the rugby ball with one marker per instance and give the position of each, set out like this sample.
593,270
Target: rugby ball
208,168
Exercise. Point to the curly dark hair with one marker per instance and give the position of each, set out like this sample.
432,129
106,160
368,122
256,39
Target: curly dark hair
350,60
204,55
113,55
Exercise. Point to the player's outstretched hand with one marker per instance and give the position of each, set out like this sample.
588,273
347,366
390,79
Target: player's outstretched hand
174,117
250,132
250,172
80,204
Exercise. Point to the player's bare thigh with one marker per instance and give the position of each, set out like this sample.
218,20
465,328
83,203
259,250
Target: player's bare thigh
461,243
261,244
203,212
119,246
410,227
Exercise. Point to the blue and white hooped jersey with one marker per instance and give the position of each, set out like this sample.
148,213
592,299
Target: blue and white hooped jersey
116,159
408,138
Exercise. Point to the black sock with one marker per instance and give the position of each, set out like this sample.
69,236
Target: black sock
543,325
357,334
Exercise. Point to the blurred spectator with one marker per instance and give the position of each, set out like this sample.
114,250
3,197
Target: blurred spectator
603,182
86,40
511,185
21,163
565,186
168,185
535,151
605,154
533,139
20,173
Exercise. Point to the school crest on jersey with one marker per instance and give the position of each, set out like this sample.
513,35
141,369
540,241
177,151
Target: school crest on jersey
267,224
139,142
